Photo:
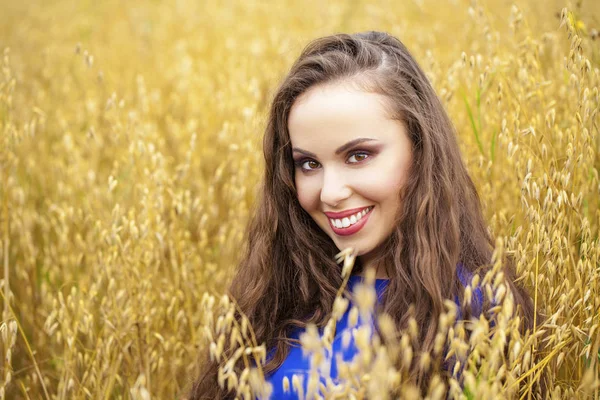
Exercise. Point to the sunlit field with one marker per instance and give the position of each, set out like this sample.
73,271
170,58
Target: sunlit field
130,158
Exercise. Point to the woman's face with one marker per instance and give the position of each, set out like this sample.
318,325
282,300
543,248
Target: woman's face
349,157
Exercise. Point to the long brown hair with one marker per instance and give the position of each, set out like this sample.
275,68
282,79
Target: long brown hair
288,275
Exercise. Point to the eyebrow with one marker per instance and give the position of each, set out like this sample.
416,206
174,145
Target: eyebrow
341,149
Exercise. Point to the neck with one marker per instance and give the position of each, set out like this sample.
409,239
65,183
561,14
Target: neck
375,259
381,271
380,274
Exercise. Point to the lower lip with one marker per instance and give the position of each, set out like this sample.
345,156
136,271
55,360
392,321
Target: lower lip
352,229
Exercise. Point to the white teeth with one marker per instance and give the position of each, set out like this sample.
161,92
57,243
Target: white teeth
347,221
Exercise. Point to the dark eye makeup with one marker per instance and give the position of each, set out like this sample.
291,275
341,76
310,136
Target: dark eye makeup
300,162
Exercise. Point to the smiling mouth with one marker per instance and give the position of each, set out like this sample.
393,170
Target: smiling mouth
349,222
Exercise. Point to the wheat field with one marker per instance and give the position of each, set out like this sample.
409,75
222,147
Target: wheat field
130,157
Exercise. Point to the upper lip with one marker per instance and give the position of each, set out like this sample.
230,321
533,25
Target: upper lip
345,213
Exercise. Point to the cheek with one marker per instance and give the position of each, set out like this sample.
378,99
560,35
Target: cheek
308,194
383,184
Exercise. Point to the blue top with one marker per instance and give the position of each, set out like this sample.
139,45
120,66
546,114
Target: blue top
297,364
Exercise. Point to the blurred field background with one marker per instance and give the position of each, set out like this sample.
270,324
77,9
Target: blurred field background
130,153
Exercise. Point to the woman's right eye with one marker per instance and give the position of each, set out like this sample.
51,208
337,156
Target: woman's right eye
311,165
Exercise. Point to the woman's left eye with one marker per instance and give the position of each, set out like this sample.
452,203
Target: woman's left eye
360,154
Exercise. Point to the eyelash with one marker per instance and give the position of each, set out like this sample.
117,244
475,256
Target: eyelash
299,163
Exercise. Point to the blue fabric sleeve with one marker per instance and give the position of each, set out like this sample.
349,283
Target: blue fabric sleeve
296,363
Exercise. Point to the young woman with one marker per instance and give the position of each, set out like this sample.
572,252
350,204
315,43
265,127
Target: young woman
359,153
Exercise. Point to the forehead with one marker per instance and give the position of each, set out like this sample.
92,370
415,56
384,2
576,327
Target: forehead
337,113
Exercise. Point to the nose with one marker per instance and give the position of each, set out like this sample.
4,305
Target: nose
335,188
